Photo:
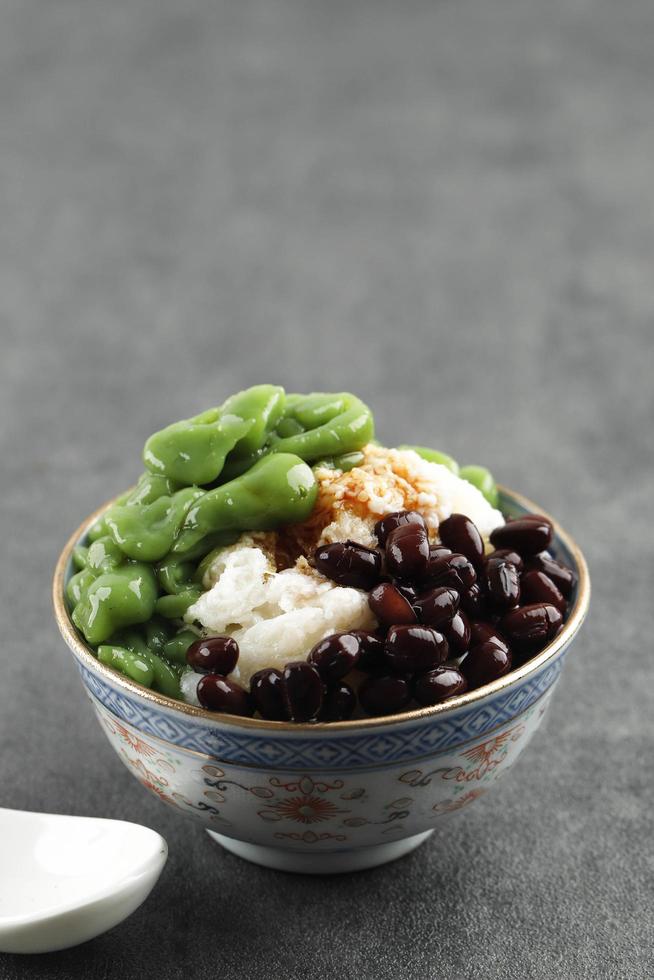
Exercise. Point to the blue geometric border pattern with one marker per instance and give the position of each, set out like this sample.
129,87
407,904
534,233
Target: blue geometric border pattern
368,748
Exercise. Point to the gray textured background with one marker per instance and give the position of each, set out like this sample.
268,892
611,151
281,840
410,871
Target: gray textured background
445,206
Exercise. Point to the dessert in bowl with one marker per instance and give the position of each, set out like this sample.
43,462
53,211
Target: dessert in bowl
316,645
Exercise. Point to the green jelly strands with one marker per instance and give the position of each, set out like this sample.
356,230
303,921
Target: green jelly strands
279,489
115,599
193,451
147,532
332,426
241,466
261,406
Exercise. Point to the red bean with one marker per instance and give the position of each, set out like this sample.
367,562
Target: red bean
530,627
348,563
526,536
338,703
457,633
266,691
390,606
485,663
538,587
415,648
475,601
302,690
407,552
408,591
439,684
459,534
562,576
437,551
432,602
392,521
220,694
486,633
371,648
454,570
213,655
437,606
508,555
502,582
384,695
335,656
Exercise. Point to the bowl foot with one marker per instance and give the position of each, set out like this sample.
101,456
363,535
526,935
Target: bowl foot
327,863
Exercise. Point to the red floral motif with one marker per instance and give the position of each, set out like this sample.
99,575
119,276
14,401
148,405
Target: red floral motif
447,806
137,744
484,752
488,755
156,784
307,806
134,741
143,771
303,809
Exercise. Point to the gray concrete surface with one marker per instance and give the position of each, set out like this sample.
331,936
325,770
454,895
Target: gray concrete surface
445,206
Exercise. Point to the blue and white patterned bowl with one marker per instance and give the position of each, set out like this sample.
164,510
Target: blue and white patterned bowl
325,797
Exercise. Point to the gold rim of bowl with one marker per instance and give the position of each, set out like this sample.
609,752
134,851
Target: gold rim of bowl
83,652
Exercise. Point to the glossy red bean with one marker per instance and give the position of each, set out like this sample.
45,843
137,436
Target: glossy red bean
459,534
538,587
371,647
217,693
302,690
457,633
213,655
439,684
348,563
531,627
436,551
485,663
389,605
502,582
437,606
486,633
407,552
408,591
454,570
526,536
335,656
338,704
392,521
508,555
266,691
415,648
562,576
384,695
475,601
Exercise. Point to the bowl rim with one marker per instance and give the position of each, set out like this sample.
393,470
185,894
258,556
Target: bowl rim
84,654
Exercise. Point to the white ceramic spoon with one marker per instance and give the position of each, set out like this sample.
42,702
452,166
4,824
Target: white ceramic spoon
64,880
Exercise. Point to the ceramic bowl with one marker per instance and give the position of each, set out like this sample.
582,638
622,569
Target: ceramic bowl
325,797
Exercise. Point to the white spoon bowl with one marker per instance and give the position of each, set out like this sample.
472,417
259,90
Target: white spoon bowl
64,880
